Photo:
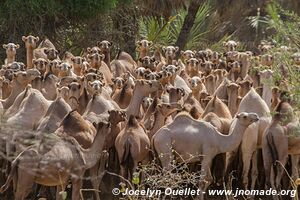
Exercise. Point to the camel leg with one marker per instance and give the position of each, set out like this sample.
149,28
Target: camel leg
25,183
163,149
254,172
95,180
246,167
295,161
267,159
60,188
77,185
205,174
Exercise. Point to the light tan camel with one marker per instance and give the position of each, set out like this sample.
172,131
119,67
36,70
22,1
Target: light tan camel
46,50
96,62
54,116
123,96
143,47
233,98
266,78
244,58
162,112
197,87
252,139
32,108
54,163
11,51
185,130
30,44
245,86
280,140
105,47
19,82
230,45
170,53
132,145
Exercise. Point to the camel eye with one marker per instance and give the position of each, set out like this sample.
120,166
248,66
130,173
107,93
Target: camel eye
168,106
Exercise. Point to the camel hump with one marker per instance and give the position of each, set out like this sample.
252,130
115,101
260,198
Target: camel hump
132,121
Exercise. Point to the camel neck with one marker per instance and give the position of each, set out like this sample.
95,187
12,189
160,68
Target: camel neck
159,121
10,58
231,141
92,155
267,94
232,102
135,102
29,56
107,58
143,53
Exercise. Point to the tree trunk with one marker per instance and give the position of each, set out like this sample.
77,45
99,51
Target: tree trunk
188,23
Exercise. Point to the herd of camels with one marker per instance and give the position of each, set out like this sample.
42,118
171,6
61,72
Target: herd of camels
91,113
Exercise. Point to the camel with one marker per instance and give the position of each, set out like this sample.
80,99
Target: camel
11,51
220,74
49,86
122,64
187,54
30,44
132,145
233,98
221,91
266,77
143,47
46,50
105,47
230,45
5,87
280,140
216,106
19,82
245,86
185,130
54,116
162,112
210,84
54,66
197,86
244,58
55,162
192,67
79,65
65,69
123,96
275,98
170,53
31,110
96,62
235,71
148,63
192,103
40,64
266,60
252,139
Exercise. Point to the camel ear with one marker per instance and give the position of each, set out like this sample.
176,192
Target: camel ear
150,43
46,51
72,59
95,125
176,49
238,116
113,79
88,49
98,43
224,44
57,51
24,38
4,46
110,44
17,46
141,59
181,53
37,39
102,56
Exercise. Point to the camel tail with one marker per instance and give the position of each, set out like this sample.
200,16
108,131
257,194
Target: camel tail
10,176
127,159
272,148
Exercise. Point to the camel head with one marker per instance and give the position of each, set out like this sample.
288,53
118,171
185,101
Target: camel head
167,109
21,77
171,69
96,57
95,87
74,94
233,88
175,94
32,74
143,45
230,45
170,52
116,116
193,64
146,86
152,76
207,67
265,46
232,56
78,60
64,67
30,41
54,65
104,46
102,128
247,119
266,60
11,49
147,101
188,54
235,66
93,50
118,82
51,53
63,92
40,64
140,72
266,74
214,57
202,55
196,83
148,62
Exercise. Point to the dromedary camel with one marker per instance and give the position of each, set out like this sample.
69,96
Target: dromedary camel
11,51
280,140
30,45
132,145
202,139
252,139
51,163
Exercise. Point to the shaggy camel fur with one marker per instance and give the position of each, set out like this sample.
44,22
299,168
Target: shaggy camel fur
185,130
11,51
252,139
30,44
132,145
54,116
51,163
280,140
